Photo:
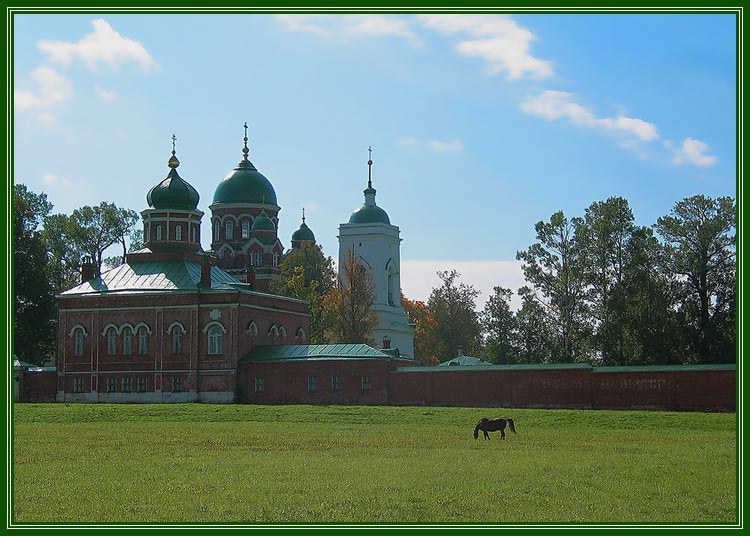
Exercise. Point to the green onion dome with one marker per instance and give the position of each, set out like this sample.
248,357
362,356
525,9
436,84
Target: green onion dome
245,185
173,192
369,214
303,234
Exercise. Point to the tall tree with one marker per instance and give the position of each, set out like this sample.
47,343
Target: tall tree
350,317
64,255
533,339
650,329
307,274
94,229
425,326
500,327
453,306
555,266
700,252
604,234
34,303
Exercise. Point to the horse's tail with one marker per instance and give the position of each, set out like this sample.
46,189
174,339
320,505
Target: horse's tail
512,427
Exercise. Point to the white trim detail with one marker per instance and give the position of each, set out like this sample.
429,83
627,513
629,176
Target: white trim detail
76,328
212,324
174,325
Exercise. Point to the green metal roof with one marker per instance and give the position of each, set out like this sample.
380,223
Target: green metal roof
665,368
303,233
441,368
177,274
245,185
296,352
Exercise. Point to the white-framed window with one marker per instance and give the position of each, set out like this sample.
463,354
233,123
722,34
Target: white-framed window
256,258
148,232
194,233
215,340
78,385
217,230
158,232
335,383
142,341
312,384
111,384
142,384
230,230
127,341
275,260
177,341
178,233
176,384
252,328
260,384
111,341
282,332
127,384
245,229
78,342
366,385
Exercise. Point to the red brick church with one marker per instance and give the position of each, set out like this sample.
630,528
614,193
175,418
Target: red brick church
172,323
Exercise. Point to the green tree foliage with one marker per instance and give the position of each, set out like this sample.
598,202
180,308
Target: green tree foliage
62,251
347,308
500,326
453,306
699,252
307,274
603,235
556,267
533,339
94,229
424,330
34,303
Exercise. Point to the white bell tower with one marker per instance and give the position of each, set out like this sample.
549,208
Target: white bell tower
372,237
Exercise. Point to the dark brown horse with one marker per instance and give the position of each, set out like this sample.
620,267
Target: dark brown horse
493,425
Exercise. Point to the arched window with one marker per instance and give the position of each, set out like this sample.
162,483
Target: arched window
127,341
195,233
275,260
230,230
256,258
393,293
158,232
112,341
282,332
217,228
178,233
215,339
245,229
143,341
301,336
78,341
177,341
252,328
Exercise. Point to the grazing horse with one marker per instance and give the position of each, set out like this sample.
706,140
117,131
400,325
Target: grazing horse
493,425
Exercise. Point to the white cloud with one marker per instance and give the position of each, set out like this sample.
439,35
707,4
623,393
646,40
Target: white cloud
50,179
106,95
691,152
47,118
497,39
436,145
453,146
553,105
418,278
351,26
51,88
103,48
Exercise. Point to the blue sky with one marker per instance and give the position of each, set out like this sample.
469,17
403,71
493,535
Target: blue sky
481,125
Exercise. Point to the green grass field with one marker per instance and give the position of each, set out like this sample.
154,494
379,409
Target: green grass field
345,464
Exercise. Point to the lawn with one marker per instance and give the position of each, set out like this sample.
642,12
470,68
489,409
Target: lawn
344,464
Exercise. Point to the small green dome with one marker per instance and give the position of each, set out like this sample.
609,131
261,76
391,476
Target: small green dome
245,185
263,223
369,214
303,233
173,192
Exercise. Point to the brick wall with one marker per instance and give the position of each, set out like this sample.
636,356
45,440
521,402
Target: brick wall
39,386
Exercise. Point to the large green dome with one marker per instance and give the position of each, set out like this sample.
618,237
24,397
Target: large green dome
245,185
369,214
173,192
